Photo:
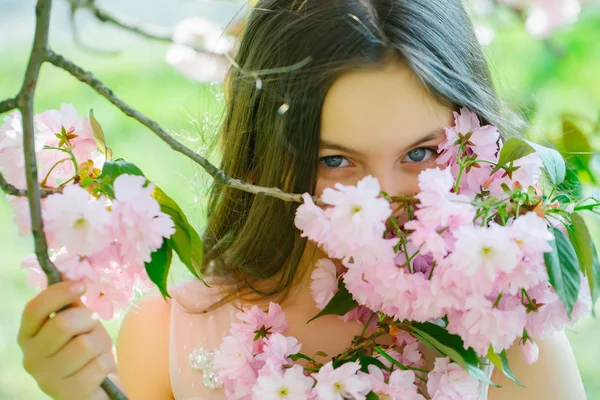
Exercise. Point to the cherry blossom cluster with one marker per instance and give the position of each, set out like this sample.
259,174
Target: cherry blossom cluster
467,253
102,240
257,361
452,260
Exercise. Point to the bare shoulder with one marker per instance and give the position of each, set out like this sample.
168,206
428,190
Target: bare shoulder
143,349
554,376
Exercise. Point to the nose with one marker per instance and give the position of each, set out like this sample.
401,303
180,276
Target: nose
395,182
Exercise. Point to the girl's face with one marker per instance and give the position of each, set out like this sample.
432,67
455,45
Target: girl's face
382,123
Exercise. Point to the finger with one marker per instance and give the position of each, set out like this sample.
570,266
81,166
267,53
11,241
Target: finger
58,331
81,350
91,375
38,309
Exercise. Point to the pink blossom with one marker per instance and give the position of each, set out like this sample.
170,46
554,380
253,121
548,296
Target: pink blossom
235,357
276,351
529,351
342,382
52,126
357,221
107,295
22,218
362,315
448,381
427,238
438,206
311,220
76,221
139,225
487,325
412,356
532,235
404,338
240,387
482,254
198,48
324,282
36,276
435,184
483,138
551,316
289,385
400,384
12,160
52,122
256,319
363,282
74,267
530,170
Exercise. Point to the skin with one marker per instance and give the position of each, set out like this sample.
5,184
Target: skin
376,122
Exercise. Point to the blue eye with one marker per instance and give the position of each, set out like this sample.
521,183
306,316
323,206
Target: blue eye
418,155
335,161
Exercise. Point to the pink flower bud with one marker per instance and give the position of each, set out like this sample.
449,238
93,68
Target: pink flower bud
530,351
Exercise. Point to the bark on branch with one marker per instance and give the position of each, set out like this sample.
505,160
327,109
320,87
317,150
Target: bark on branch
218,174
128,24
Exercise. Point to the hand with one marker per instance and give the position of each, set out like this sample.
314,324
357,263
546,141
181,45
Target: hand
69,354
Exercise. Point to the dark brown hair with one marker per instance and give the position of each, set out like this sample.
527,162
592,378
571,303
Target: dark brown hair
251,238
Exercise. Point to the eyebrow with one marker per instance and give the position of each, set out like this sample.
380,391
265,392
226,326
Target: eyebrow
335,146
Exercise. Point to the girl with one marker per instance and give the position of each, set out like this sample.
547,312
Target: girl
369,88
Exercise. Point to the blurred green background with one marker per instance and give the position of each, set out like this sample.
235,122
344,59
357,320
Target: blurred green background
544,78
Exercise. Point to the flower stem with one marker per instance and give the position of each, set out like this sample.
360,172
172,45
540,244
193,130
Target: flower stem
43,183
367,324
399,364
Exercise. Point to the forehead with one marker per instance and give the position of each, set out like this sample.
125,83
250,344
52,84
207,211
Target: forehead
370,109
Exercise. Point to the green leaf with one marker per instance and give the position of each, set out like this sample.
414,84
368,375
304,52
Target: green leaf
513,149
390,358
450,345
185,241
554,163
563,269
99,136
297,356
372,396
340,304
577,147
594,275
585,249
500,361
516,148
158,267
113,169
365,361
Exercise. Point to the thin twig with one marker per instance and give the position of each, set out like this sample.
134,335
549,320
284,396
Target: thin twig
25,104
14,191
365,342
129,24
218,174
77,39
8,105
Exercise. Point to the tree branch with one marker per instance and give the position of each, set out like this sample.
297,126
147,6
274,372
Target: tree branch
218,174
129,24
13,191
24,101
25,104
8,105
